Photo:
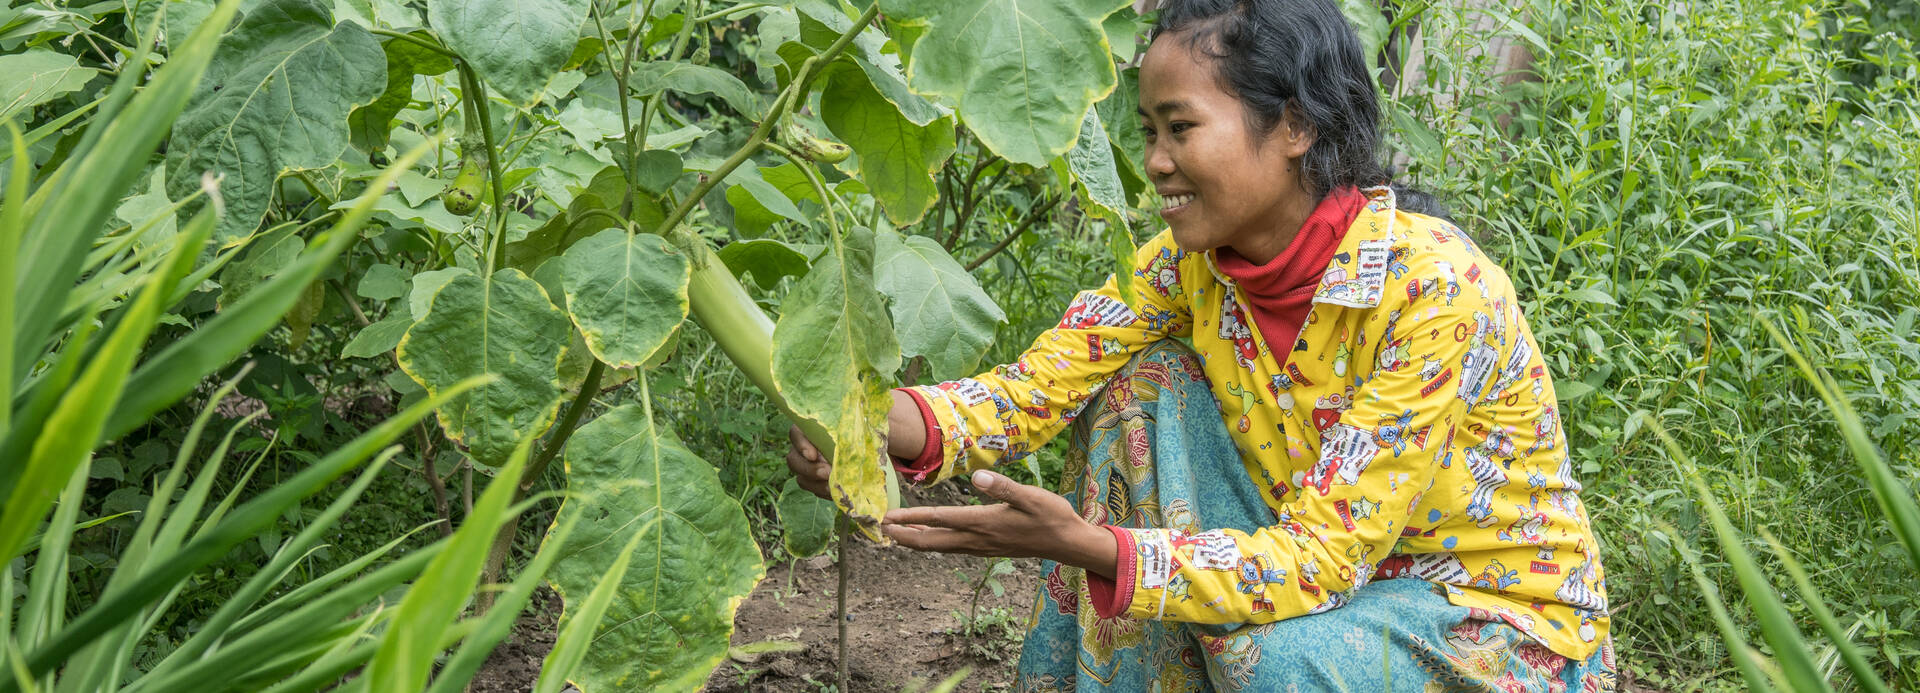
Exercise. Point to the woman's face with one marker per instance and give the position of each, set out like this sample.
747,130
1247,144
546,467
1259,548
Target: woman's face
1222,184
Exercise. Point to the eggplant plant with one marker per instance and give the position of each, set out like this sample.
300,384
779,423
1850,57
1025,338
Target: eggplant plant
542,194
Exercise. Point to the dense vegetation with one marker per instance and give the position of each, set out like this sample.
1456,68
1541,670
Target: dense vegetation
219,456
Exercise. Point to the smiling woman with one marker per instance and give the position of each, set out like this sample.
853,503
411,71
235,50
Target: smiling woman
1384,498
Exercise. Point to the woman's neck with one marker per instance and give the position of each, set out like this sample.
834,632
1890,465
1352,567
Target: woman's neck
1262,248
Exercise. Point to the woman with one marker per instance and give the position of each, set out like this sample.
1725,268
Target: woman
1389,503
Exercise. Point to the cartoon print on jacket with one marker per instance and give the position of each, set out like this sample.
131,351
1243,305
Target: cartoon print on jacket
1435,452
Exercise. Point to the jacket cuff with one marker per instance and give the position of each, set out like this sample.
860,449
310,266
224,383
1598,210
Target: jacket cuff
1112,597
928,462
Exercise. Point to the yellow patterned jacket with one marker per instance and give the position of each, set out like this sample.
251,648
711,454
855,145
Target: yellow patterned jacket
1412,431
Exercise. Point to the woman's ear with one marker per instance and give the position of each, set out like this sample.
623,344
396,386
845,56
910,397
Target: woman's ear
1295,133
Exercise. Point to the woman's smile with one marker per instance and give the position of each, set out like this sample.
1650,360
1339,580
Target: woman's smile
1173,205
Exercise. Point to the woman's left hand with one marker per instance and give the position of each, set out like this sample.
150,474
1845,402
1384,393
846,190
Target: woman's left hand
1028,522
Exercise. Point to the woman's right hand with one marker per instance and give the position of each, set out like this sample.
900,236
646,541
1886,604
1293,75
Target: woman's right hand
906,435
810,469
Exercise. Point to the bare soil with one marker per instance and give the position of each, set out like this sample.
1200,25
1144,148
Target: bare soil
904,630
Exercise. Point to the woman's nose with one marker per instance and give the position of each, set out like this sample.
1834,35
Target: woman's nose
1159,163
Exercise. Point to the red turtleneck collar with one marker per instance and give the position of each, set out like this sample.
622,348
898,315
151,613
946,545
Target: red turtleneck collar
1281,291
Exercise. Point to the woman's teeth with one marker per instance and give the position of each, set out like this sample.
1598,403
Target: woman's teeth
1173,201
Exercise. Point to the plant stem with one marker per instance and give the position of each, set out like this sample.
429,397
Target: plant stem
840,527
434,482
503,542
568,421
1022,228
813,177
415,40
358,315
793,94
476,94
722,14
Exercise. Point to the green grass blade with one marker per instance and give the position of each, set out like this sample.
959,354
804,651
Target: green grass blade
74,427
237,605
61,232
245,523
571,646
300,595
406,651
496,624
45,609
31,415
328,669
342,658
140,547
1744,658
298,626
17,666
1896,503
1863,672
1776,624
12,227
175,371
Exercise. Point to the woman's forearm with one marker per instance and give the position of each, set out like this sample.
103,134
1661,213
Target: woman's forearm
1093,549
906,430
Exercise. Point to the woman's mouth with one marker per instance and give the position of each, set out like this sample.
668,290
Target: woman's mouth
1175,203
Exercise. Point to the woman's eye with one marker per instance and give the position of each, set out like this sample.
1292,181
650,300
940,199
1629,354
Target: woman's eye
1178,128
1146,131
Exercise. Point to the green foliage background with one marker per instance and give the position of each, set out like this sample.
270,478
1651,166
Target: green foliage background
1669,177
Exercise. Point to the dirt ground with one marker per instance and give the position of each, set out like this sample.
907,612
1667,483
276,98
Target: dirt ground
906,610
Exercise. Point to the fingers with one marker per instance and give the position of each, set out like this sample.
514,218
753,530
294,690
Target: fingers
941,539
800,443
939,515
998,487
803,459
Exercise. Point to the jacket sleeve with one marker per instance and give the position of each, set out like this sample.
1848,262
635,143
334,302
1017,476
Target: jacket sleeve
1014,408
1374,464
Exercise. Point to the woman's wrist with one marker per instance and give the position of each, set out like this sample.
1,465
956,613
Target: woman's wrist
1092,548
906,430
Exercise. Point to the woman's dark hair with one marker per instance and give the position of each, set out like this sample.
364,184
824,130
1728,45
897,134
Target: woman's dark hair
1300,56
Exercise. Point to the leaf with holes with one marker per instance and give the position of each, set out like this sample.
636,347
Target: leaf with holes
276,97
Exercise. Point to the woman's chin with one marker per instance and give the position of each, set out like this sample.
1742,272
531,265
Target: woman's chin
1191,239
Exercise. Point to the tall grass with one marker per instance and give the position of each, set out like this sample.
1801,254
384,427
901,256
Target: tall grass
1667,169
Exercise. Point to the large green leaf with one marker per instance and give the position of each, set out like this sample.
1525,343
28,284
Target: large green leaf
372,123
1119,114
38,76
627,293
833,351
182,17
275,97
516,45
688,78
691,570
766,259
1091,160
821,24
758,204
806,521
583,218
939,311
505,326
1022,73
897,157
